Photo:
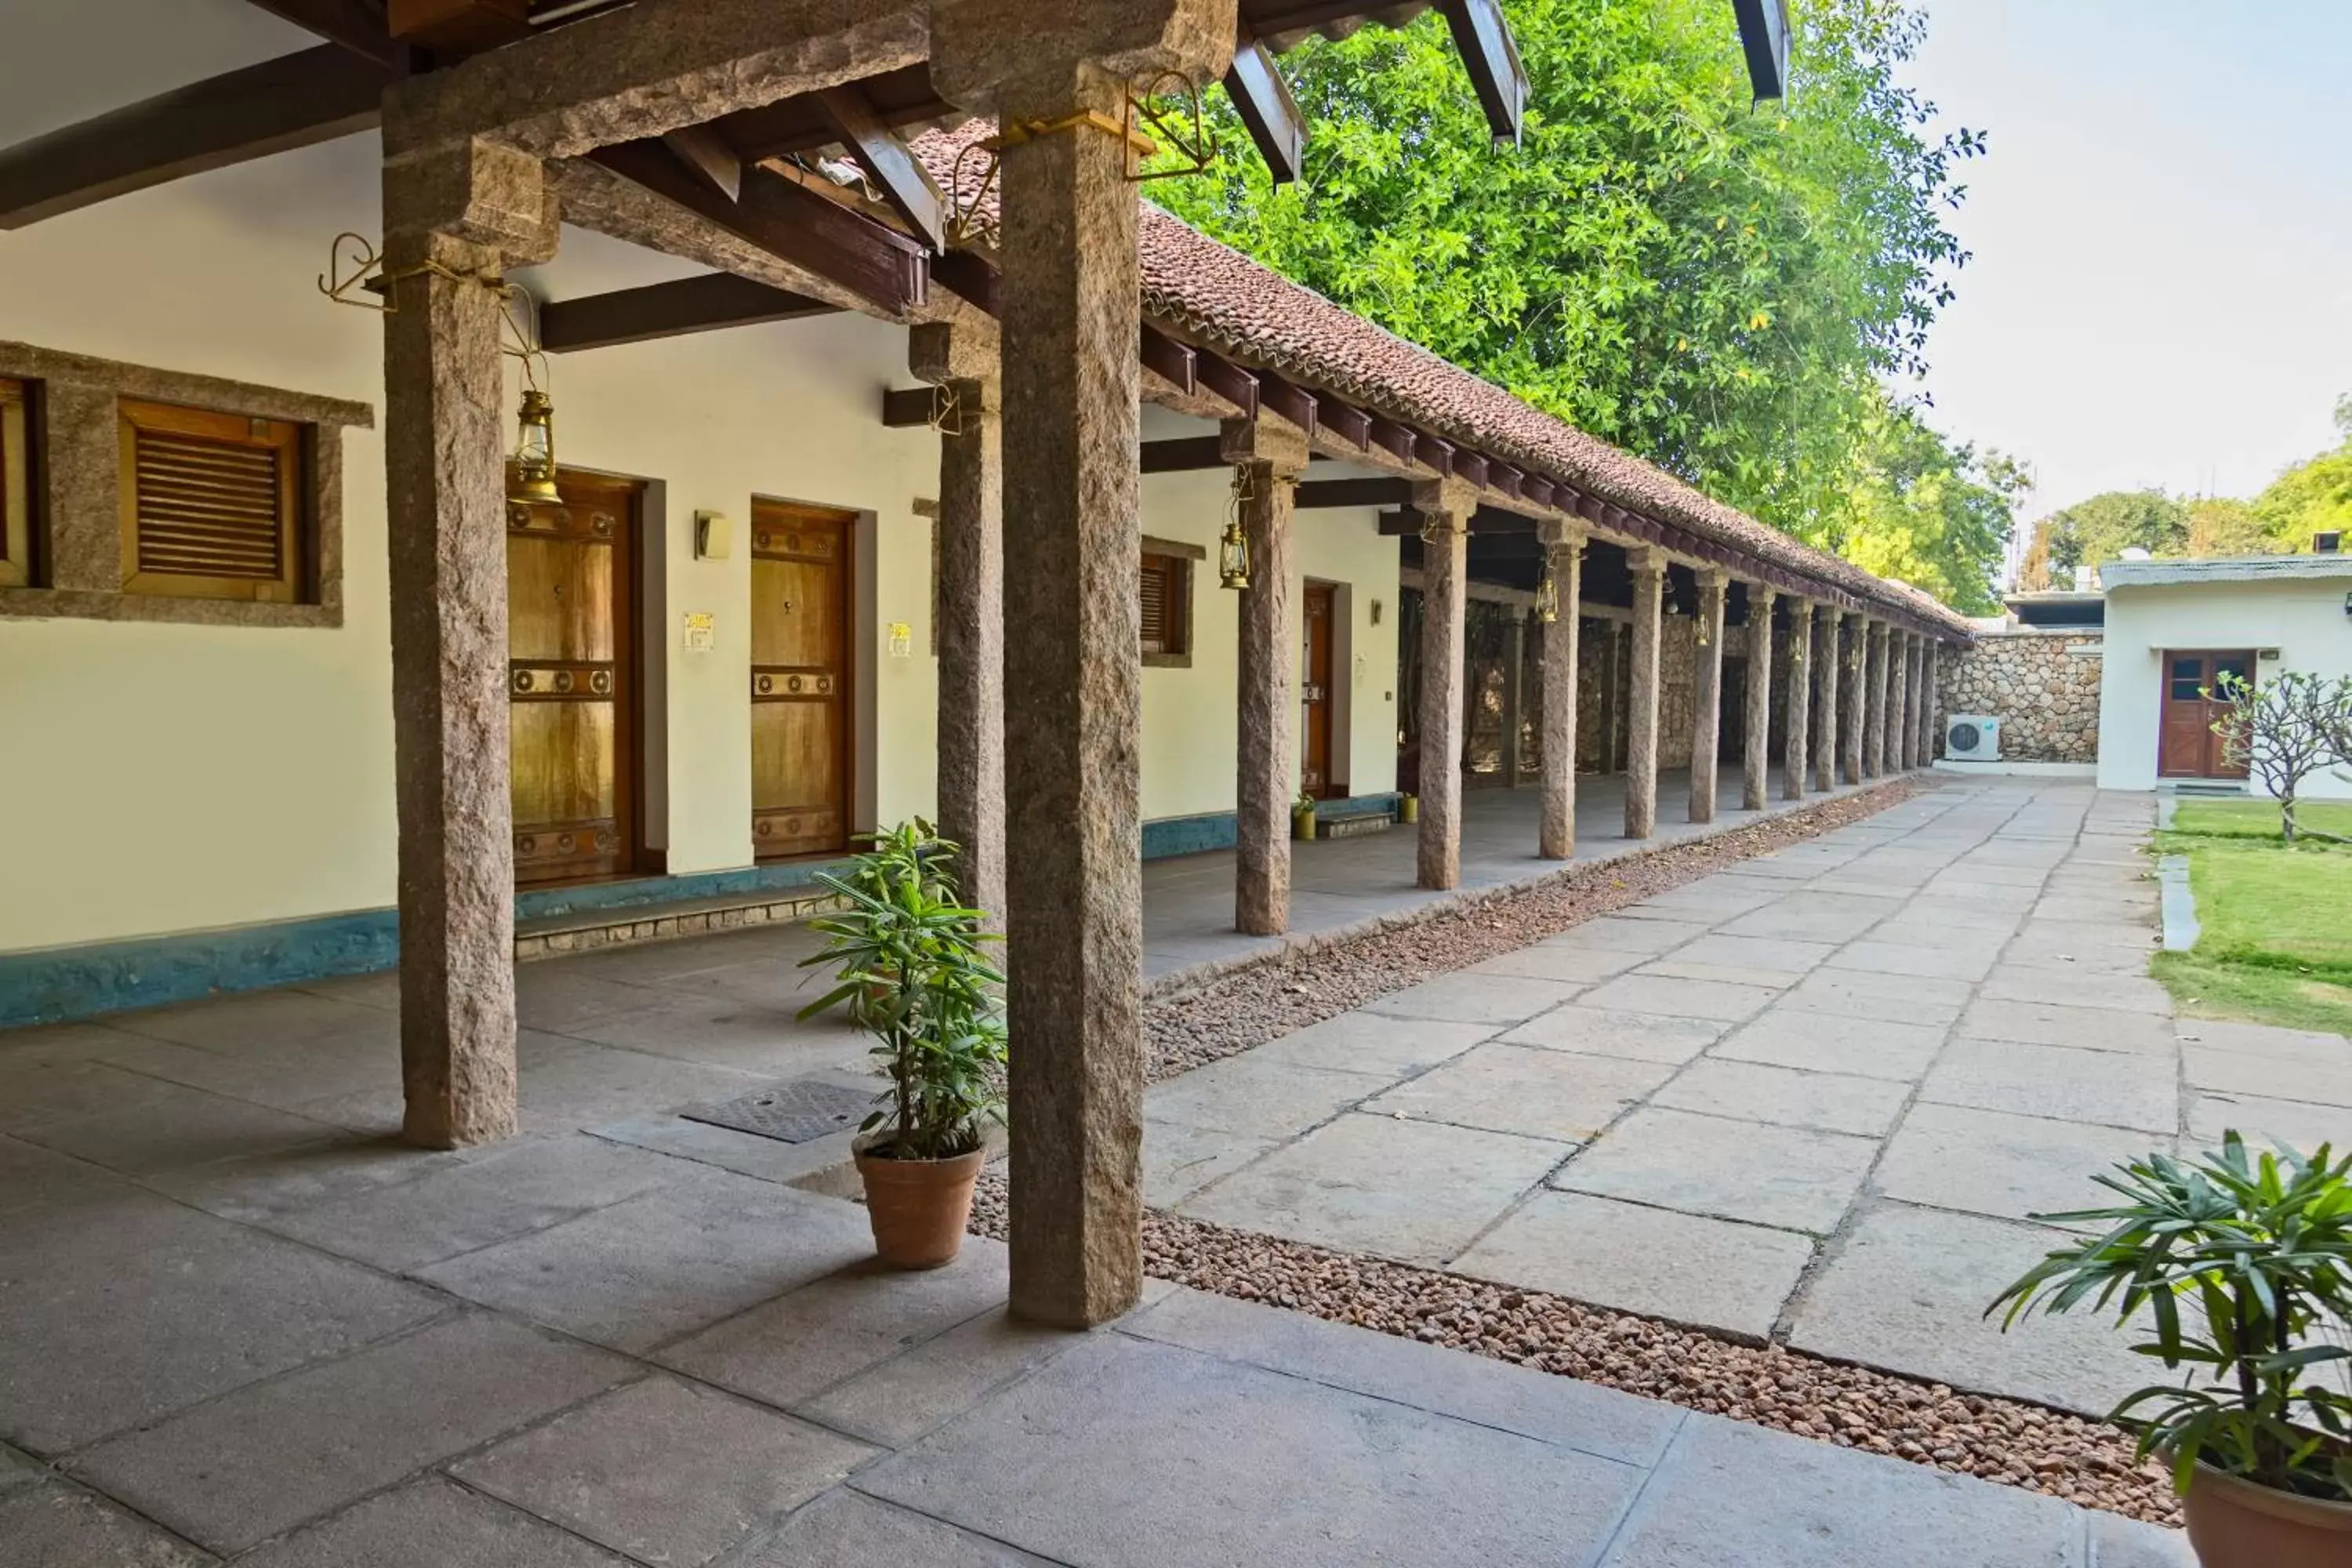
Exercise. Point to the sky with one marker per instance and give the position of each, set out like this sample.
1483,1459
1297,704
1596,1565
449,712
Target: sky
2161,287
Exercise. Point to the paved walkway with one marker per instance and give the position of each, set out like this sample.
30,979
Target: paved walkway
1188,900
1811,1099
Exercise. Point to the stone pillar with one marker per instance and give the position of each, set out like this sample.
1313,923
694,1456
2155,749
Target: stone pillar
970,719
1919,694
1515,679
454,216
1852,657
1874,724
1898,704
1556,826
1825,717
1069,303
1756,762
1931,728
1649,569
1796,759
1267,460
1445,506
1706,694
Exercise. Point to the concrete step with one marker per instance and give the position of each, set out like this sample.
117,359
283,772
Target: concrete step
581,931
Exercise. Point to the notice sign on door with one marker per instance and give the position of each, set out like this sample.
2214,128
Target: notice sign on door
701,631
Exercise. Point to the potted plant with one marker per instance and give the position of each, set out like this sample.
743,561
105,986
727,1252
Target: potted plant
911,970
1302,816
2243,1265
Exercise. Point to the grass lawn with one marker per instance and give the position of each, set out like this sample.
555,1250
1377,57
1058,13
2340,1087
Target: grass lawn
2276,945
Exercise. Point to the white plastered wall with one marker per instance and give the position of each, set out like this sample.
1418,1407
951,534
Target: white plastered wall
2304,620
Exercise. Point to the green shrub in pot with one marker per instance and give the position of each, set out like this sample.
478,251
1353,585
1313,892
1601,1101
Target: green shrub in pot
2242,1264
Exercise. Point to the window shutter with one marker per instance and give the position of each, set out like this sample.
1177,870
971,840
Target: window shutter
1157,606
209,503
15,489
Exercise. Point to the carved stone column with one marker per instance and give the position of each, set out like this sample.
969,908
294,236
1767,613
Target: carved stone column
1898,703
1852,659
1069,305
1919,731
1756,754
1825,708
1515,683
1931,728
1796,759
454,217
1649,570
1706,693
1874,724
971,719
1556,828
1267,460
1445,506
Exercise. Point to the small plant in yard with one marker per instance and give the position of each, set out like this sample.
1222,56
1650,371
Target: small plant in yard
2243,1266
2283,731
911,969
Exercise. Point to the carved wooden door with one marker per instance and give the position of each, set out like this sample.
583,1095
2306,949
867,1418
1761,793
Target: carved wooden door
1315,693
571,681
801,712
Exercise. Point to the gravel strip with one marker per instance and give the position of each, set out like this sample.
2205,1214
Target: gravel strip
1928,1424
1311,982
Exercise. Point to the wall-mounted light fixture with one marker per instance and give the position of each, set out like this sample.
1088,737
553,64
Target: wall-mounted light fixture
1547,594
1232,550
534,453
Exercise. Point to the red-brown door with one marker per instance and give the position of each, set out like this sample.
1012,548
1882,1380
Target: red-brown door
1315,694
2187,747
800,678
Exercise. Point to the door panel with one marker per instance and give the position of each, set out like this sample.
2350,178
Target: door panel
1315,693
571,681
2186,746
800,711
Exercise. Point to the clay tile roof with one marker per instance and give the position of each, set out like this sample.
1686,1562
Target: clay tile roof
1217,297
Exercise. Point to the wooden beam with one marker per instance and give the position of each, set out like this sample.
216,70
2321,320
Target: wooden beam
1352,424
903,408
968,274
1287,400
1183,454
355,25
1400,524
1171,360
1483,38
796,124
1471,466
458,26
707,154
670,309
1432,451
1227,380
870,259
1315,493
905,184
1764,40
294,100
1505,478
1268,110
1397,440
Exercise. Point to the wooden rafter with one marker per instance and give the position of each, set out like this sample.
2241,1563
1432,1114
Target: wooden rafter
705,304
904,185
707,154
1181,454
1267,110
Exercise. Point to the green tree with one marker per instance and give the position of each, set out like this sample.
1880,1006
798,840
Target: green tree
2218,525
2312,496
1719,287
2091,533
1931,514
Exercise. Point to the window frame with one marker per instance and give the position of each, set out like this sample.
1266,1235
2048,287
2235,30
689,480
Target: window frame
17,490
1176,559
289,439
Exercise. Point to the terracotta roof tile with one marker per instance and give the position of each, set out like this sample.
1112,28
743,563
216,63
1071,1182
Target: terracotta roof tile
1219,297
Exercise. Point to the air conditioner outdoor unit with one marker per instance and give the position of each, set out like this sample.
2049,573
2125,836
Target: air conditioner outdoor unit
1973,738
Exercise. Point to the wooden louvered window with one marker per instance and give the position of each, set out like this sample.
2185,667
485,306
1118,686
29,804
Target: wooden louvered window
1166,604
15,487
211,504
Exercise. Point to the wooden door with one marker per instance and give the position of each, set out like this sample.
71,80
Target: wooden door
2187,747
572,680
1315,694
801,712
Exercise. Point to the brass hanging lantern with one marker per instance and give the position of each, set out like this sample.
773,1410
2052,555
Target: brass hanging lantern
533,480
1233,556
1547,593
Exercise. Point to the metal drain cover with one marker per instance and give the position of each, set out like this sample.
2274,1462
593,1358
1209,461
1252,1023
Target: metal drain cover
794,1111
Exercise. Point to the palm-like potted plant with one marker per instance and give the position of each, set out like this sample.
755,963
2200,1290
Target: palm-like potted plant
911,970
2243,1266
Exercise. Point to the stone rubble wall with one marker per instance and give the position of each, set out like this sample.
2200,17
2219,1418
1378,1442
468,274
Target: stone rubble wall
2046,696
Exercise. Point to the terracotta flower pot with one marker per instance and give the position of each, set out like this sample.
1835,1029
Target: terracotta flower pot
2234,1523
918,1207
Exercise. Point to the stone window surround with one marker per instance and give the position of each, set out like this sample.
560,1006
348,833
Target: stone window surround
77,506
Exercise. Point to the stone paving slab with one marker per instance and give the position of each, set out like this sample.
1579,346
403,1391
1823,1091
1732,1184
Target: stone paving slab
2259,1121
2009,1167
848,1526
2266,1040
2110,1087
1545,961
1247,1466
2015,982
1639,993
1253,1096
56,1526
1179,1161
1490,999
1618,933
2244,1072
1831,1043
1411,1190
1688,1269
2051,1023
1751,1091
1905,959
1525,1090
244,1467
1908,1291
432,1523
1781,1176
895,1402
1643,1037
664,1471
1374,1043
1887,998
